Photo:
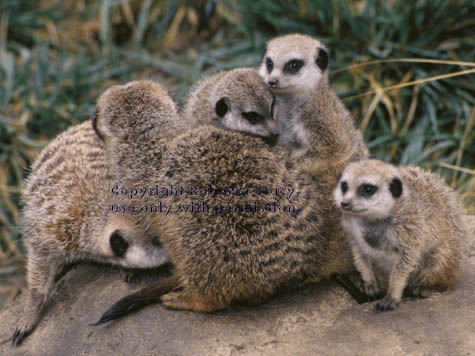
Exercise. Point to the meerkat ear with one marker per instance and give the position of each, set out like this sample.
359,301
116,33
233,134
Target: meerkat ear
395,187
322,59
264,51
94,119
222,107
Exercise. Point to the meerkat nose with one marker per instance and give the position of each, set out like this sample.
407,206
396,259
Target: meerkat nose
273,82
345,204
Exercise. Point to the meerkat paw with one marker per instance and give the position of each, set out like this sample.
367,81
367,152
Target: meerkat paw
372,292
132,277
422,292
385,305
21,332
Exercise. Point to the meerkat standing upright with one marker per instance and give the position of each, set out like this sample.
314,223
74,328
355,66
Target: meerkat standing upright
66,216
405,226
313,121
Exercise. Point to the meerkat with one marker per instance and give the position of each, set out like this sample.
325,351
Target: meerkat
405,227
313,122
192,154
236,100
67,197
245,247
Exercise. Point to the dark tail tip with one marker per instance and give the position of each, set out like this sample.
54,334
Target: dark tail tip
125,306
138,300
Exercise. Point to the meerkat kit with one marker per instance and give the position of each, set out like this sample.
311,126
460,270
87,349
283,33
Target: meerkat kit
405,229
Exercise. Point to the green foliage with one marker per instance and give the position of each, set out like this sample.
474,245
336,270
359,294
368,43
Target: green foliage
57,56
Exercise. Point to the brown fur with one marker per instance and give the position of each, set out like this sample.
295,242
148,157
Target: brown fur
247,256
67,196
241,256
414,239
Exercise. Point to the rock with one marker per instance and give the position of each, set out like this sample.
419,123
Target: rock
317,320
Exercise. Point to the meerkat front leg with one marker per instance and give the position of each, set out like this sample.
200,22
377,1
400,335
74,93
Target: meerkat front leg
41,278
397,283
370,283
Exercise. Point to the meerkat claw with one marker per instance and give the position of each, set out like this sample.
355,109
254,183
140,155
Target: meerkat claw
18,337
385,305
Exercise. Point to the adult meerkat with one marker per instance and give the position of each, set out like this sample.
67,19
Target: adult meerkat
405,225
66,216
194,156
235,100
241,247
313,122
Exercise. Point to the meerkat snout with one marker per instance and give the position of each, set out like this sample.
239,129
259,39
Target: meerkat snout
273,82
346,204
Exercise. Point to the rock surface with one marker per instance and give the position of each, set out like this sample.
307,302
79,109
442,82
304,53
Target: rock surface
318,320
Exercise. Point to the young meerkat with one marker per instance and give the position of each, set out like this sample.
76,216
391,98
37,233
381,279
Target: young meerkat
67,215
234,100
405,227
313,122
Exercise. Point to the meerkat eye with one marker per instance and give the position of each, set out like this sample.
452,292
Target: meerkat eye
269,64
253,117
367,190
118,244
344,187
293,66
156,242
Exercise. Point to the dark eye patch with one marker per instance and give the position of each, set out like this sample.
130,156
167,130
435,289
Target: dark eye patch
253,117
367,190
269,64
118,244
344,187
293,66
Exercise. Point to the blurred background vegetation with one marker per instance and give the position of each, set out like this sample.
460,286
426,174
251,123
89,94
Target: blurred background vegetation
404,68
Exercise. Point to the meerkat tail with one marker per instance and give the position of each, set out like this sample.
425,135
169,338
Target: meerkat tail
348,285
138,300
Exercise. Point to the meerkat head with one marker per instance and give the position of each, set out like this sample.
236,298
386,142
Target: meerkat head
294,64
241,101
132,110
368,188
126,242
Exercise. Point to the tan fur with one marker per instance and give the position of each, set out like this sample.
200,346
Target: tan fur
67,196
245,256
241,256
312,120
409,241
242,92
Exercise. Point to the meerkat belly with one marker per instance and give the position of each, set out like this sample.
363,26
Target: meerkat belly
381,250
